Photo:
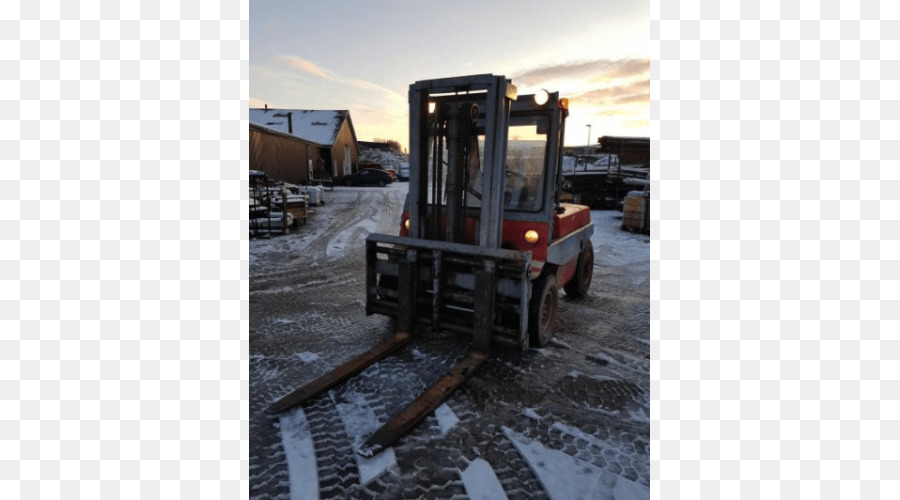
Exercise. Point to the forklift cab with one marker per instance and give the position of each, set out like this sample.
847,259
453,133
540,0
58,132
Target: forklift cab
465,147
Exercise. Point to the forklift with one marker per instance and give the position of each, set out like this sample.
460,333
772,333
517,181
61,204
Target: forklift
484,243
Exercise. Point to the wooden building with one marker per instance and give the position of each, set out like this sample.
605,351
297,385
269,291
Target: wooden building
283,156
331,132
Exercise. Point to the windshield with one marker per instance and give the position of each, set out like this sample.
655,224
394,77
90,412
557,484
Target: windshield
525,155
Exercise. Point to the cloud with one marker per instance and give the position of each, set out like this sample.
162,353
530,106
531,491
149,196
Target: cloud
307,67
318,71
601,88
632,92
589,71
625,69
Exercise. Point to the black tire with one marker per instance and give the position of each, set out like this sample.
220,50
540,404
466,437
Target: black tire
348,182
542,310
580,283
381,183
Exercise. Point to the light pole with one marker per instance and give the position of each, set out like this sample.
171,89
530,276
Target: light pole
589,139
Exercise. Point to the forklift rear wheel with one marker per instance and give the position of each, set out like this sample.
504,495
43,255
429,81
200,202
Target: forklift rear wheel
579,284
542,310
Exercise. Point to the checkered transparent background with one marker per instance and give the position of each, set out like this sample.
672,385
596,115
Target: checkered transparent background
123,276
776,220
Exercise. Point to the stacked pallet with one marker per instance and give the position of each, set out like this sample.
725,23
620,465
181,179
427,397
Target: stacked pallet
273,207
636,212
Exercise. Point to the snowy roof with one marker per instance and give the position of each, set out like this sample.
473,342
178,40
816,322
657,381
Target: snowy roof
319,126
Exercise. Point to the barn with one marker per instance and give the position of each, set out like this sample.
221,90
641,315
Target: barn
283,156
282,143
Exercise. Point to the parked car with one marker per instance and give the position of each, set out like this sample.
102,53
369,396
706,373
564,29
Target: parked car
392,172
404,172
369,177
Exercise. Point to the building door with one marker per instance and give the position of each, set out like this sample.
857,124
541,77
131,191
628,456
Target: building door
347,160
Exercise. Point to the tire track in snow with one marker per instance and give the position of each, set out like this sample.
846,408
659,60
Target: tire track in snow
349,238
300,453
360,422
565,477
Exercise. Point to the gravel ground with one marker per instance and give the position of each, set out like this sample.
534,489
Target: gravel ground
535,424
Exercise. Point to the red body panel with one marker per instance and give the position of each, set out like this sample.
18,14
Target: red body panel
575,217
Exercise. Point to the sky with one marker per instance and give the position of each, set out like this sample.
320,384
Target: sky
362,55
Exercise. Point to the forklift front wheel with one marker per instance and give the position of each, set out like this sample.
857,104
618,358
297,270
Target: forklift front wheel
542,310
580,283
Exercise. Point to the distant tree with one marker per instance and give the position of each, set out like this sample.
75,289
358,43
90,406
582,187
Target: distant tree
394,145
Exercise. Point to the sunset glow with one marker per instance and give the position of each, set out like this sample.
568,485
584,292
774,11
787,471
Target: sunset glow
363,56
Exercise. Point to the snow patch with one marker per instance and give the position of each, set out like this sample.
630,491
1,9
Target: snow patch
602,359
300,454
351,237
446,418
578,434
603,411
563,477
528,412
626,489
560,343
480,481
360,422
266,373
641,416
306,357
289,243
566,477
615,247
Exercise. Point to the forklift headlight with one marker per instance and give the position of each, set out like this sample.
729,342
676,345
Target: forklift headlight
541,97
531,237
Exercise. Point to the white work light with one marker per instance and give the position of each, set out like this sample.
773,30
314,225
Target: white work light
541,97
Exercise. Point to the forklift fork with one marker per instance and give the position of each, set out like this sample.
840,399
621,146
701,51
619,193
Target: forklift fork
483,281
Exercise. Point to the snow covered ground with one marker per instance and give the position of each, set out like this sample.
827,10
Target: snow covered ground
570,420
